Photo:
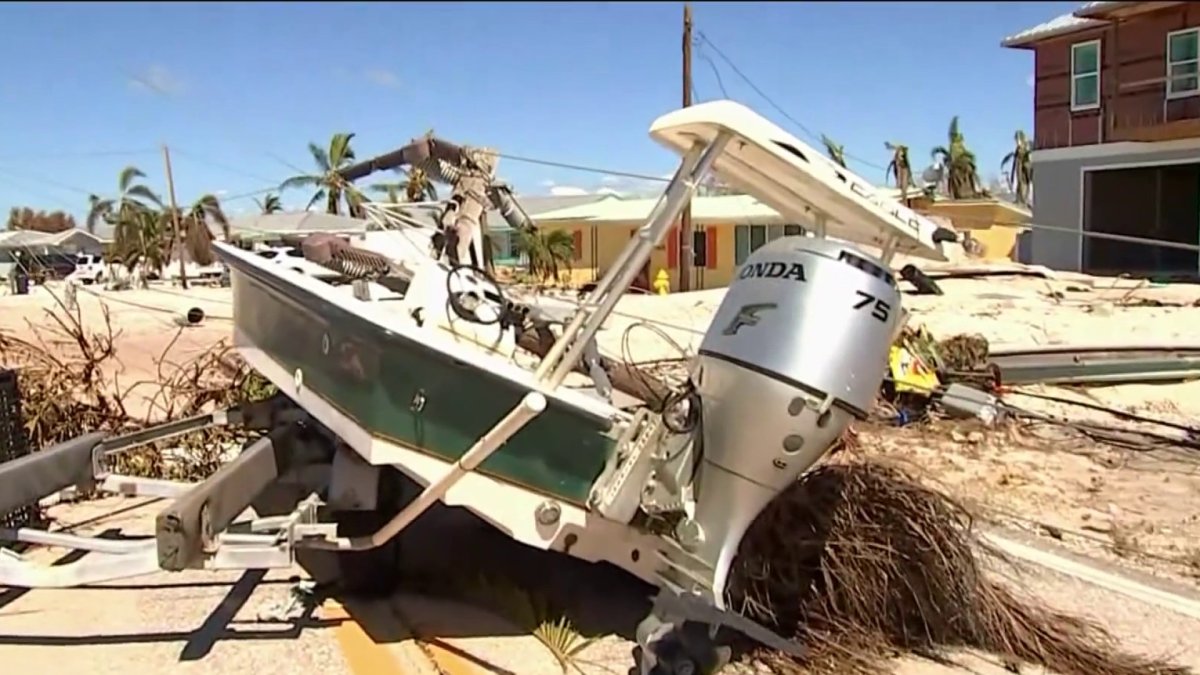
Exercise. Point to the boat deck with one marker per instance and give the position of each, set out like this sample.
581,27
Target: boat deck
387,364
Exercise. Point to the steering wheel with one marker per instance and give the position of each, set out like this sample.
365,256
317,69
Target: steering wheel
474,295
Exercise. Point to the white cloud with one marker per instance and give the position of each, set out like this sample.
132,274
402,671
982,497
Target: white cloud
384,78
567,191
158,79
1030,80
547,183
610,180
220,193
609,191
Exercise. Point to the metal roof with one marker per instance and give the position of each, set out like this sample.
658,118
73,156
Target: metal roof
1059,25
26,238
425,213
705,210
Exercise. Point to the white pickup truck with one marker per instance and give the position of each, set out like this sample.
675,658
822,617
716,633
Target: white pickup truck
89,269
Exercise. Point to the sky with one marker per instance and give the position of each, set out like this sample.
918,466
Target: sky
237,90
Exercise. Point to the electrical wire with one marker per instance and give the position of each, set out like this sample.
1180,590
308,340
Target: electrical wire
770,101
84,154
1115,412
716,73
216,165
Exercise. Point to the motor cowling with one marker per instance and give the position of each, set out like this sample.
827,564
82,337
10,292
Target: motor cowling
796,350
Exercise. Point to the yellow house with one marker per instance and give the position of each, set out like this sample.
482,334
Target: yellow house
994,223
725,230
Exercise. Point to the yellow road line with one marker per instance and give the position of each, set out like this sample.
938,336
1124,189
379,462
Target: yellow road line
363,655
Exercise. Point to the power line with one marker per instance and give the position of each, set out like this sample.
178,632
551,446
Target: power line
639,176
82,154
716,73
583,168
216,165
49,197
47,181
745,78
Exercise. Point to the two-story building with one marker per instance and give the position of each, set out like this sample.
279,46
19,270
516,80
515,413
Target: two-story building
1116,136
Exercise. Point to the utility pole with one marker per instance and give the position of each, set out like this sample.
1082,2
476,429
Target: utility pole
685,219
175,216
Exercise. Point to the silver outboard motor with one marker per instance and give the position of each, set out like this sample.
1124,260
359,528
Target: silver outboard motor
797,348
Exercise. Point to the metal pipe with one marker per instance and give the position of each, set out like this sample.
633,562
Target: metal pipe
97,568
677,195
113,546
530,407
548,362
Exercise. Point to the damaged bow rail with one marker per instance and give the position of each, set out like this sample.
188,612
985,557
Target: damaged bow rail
413,375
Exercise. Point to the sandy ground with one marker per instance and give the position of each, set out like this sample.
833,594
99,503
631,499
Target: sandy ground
150,342
1136,509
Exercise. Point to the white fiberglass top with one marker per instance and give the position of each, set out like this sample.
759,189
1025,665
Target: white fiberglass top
795,179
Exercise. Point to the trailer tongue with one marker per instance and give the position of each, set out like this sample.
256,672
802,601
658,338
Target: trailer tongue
415,377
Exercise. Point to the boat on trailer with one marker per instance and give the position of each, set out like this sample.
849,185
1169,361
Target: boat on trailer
416,370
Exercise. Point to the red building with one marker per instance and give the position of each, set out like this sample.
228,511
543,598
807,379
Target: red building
1116,135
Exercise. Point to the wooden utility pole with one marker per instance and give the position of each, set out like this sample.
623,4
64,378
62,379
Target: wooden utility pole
685,219
175,217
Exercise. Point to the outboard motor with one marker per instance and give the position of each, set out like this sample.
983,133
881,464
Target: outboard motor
797,348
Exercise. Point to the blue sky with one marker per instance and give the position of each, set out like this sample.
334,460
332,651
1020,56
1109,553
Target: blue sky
240,88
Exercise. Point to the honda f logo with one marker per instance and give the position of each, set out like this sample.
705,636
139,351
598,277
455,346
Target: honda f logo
748,316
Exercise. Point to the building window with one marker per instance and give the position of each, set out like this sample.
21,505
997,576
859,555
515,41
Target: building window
699,248
506,247
1085,75
1183,56
749,238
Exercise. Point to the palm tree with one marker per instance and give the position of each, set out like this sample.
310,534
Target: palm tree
546,252
141,235
962,177
392,190
418,187
269,204
329,183
196,237
1020,168
900,168
836,152
131,198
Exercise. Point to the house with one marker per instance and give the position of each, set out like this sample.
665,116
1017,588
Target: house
726,229
1116,136
998,224
502,234
44,246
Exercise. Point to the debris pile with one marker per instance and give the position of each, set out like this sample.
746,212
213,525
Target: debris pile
858,560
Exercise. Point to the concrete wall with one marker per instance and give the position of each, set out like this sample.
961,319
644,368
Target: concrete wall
1057,185
598,246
